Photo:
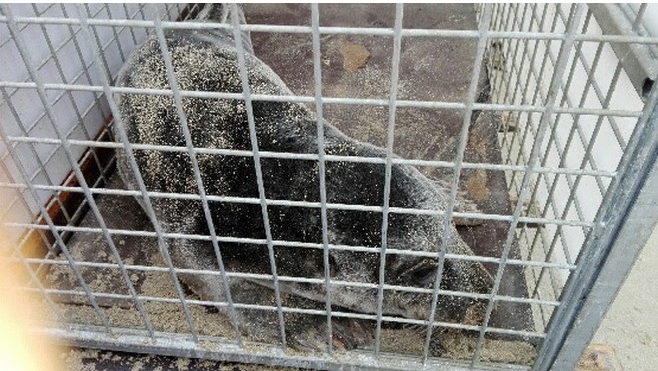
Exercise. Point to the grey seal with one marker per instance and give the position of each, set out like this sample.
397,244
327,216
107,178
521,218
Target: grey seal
206,60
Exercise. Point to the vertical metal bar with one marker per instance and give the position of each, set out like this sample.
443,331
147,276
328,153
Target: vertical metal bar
540,26
588,151
42,209
133,163
638,18
504,75
178,101
85,70
563,154
529,58
18,38
246,89
512,61
523,96
106,65
537,94
317,76
395,69
116,34
37,158
76,109
127,15
483,30
624,224
560,67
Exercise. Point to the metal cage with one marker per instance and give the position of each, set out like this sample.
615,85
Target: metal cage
553,133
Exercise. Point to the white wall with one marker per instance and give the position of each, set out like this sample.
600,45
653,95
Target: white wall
79,114
606,149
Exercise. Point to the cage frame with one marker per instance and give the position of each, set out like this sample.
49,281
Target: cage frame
602,265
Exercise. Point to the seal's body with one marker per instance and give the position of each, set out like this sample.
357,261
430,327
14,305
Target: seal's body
207,61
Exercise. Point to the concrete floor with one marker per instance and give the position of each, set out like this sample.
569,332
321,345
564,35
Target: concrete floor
630,325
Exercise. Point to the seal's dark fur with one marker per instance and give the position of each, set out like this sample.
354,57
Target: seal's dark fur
207,61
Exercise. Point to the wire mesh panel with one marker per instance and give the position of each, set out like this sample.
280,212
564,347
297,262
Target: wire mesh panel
594,110
322,186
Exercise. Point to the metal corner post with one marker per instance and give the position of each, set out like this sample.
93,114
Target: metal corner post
623,227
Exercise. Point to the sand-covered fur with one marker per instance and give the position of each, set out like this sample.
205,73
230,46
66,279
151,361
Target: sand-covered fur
207,61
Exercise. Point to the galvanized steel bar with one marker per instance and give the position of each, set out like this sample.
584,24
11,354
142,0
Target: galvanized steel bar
246,90
560,67
215,349
395,70
330,100
182,117
504,75
540,26
398,210
623,226
18,38
308,156
317,79
138,178
472,94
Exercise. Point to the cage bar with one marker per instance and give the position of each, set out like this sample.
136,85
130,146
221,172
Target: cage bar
573,138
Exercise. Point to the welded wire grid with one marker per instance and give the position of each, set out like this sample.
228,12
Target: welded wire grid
578,140
534,55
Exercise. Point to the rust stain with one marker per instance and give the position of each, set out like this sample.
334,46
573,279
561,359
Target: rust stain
478,145
355,56
476,186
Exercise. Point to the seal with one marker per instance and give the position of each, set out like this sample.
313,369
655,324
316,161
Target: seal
206,60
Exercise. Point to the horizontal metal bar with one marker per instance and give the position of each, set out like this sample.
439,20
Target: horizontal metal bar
417,253
334,206
329,100
301,280
222,350
374,31
315,157
285,309
290,244
639,61
267,277
352,207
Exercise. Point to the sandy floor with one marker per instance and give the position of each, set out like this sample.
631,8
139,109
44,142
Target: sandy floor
627,328
630,325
